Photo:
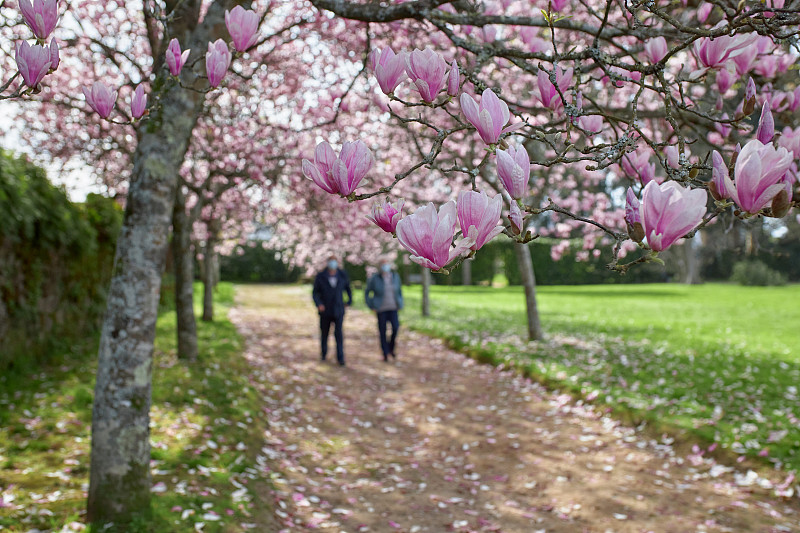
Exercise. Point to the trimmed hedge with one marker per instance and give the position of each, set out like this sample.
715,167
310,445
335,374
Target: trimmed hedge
55,263
256,264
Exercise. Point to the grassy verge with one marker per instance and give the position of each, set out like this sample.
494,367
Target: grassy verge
716,362
206,434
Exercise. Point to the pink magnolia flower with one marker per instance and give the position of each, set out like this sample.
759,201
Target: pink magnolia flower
655,49
242,24
559,5
674,156
488,118
715,53
33,63
55,58
320,170
758,172
389,68
428,235
428,71
633,218
175,58
41,16
632,215
725,81
386,216
100,98
342,174
790,139
218,59
669,211
478,216
591,123
744,61
719,173
750,90
766,125
637,165
766,66
548,95
452,80
704,11
138,102
514,170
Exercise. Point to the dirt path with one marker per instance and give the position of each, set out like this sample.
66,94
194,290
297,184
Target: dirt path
437,443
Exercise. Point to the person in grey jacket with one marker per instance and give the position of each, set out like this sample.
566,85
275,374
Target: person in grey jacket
384,295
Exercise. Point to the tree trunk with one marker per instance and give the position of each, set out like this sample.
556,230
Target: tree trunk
691,250
529,282
216,269
184,279
119,486
426,292
466,272
209,254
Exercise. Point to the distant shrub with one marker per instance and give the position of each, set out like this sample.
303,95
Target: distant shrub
756,272
55,263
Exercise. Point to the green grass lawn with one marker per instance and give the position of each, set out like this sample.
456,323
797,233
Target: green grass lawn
206,434
720,362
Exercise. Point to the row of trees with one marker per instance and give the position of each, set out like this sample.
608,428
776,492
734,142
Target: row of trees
600,95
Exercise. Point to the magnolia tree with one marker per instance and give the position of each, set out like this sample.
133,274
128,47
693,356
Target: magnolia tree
149,73
226,150
576,104
613,94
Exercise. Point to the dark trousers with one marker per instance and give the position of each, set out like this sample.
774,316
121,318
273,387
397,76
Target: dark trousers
391,317
325,322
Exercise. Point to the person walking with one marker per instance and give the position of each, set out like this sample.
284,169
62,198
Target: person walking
384,295
328,294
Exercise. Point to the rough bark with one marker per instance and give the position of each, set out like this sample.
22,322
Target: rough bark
466,272
184,278
529,282
119,487
426,292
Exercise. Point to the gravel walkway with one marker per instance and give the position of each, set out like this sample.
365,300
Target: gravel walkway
436,442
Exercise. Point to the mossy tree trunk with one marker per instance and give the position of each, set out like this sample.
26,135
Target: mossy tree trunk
119,485
184,278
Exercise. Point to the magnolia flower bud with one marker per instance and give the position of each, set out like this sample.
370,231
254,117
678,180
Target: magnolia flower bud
749,98
766,125
453,79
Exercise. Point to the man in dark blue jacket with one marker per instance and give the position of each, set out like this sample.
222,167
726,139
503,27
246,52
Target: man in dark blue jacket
384,295
329,288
